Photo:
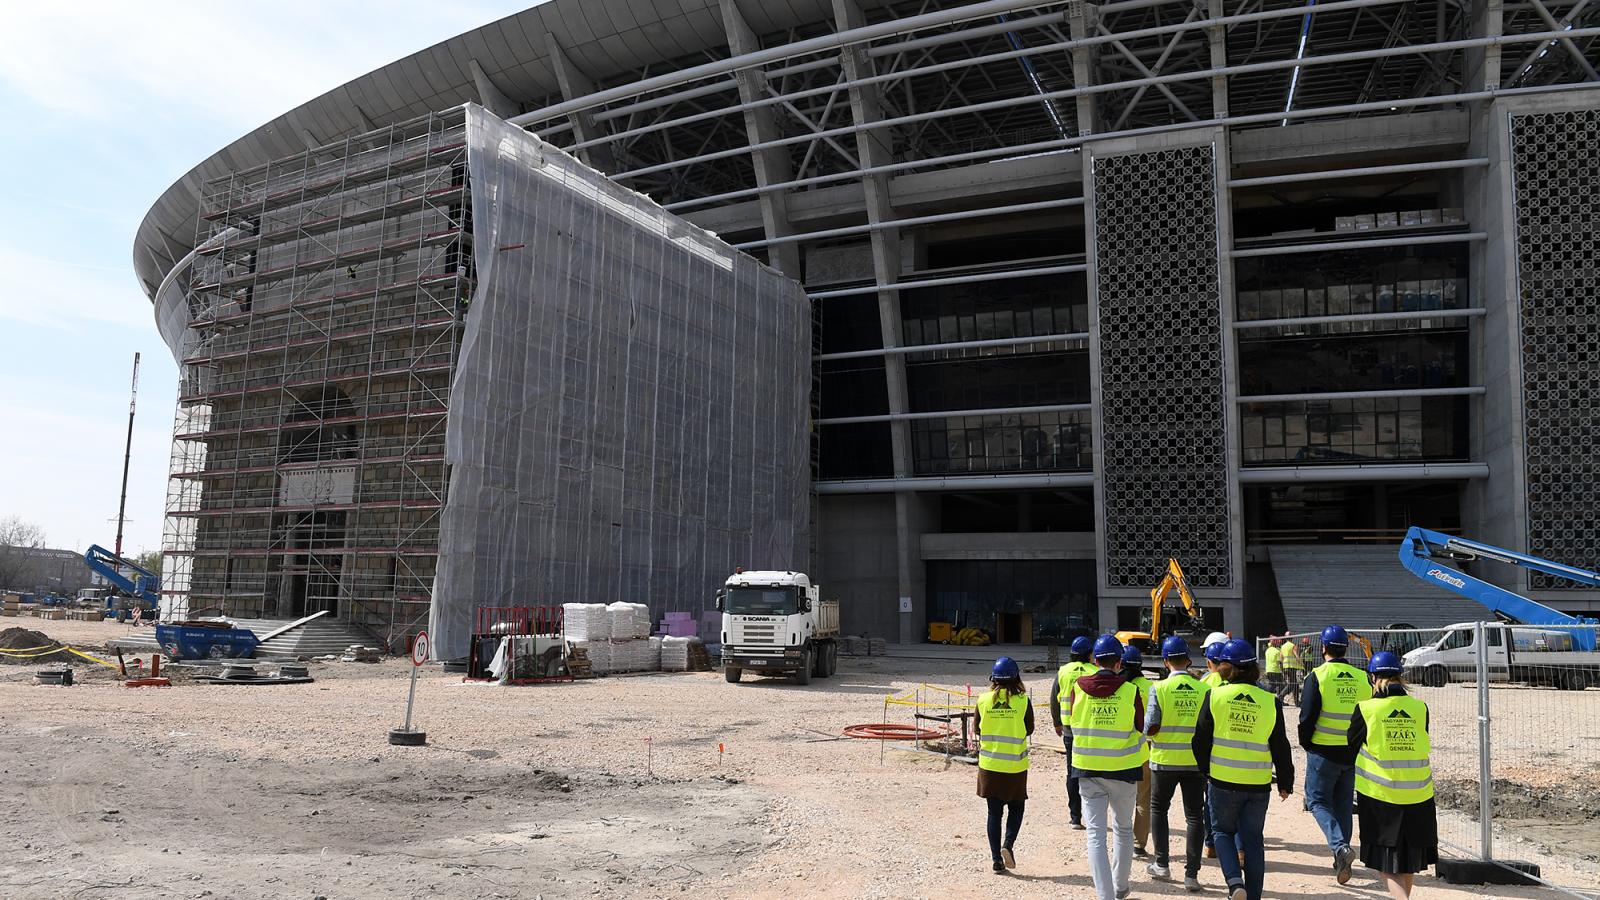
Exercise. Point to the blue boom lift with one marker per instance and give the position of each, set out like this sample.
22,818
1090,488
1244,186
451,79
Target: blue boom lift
144,587
1420,549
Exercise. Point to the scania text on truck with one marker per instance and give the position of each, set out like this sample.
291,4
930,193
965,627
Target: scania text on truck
776,623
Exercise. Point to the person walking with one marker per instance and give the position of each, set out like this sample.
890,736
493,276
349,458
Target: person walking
1108,756
1004,721
1394,780
1077,666
1169,720
1274,659
1240,743
1133,670
1327,703
1293,667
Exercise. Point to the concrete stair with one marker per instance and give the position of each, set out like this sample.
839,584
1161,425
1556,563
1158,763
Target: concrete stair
1358,587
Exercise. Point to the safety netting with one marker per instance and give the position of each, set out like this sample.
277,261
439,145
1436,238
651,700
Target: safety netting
629,415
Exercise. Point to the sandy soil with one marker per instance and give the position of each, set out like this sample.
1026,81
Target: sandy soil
604,788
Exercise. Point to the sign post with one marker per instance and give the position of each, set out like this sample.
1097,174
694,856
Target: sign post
404,736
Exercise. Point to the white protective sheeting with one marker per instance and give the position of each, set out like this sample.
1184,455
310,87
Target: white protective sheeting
629,418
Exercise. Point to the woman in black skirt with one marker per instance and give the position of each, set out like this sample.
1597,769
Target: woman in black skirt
1394,781
1004,723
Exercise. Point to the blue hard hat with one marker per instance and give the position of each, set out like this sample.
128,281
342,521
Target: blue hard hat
1107,645
1081,644
1213,652
1131,656
1174,646
1237,651
1335,636
1005,669
1385,663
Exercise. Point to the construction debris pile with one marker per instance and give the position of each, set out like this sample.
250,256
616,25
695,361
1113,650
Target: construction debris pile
863,646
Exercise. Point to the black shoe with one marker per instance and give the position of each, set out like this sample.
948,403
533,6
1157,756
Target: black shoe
999,867
1141,853
1077,825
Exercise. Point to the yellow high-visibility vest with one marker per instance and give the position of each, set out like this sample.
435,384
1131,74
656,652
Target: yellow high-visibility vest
1067,676
1342,686
1274,660
1242,717
1180,697
1103,736
1003,737
1213,679
1291,657
1393,763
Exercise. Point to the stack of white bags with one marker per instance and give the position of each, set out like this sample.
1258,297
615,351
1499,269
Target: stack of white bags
675,654
588,625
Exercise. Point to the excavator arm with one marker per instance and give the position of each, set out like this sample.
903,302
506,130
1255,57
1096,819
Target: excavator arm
1172,579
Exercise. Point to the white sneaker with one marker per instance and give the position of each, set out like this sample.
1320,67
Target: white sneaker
1238,893
1158,872
1192,885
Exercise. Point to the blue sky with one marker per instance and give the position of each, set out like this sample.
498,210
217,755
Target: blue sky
105,104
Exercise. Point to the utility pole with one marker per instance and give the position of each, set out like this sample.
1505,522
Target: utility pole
127,456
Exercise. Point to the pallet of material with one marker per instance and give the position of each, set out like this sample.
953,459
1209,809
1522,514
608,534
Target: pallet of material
358,653
54,615
578,663
84,615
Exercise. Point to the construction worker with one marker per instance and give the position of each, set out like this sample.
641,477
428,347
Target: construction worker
1133,670
1004,721
1169,718
1294,667
1078,665
1274,660
1327,703
1240,742
1213,646
1108,756
1394,781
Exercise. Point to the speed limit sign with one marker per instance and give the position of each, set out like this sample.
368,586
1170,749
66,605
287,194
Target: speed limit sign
419,649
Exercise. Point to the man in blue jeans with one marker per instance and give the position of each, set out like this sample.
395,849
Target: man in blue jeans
1327,702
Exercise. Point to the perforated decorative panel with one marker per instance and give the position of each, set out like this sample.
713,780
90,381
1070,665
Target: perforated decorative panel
1556,172
1164,444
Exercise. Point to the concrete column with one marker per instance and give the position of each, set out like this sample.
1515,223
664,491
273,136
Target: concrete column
873,146
1483,63
772,165
1217,36
574,84
489,94
1080,23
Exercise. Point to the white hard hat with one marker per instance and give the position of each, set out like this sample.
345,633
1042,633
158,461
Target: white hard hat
1215,637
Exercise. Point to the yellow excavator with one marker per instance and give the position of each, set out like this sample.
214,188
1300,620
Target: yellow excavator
1193,628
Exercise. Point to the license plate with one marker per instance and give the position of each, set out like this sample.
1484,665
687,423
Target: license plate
758,662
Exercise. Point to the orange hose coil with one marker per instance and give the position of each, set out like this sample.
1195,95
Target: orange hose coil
882,732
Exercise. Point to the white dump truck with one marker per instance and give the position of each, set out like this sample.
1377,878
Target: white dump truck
777,622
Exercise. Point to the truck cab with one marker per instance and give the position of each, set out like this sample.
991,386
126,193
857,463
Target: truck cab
777,623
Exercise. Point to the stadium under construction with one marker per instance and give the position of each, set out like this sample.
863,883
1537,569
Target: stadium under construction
1253,285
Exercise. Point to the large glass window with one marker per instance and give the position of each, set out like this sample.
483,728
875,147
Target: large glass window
1047,601
862,450
1352,362
752,601
1344,513
1349,282
1017,307
1038,379
1385,429
1024,442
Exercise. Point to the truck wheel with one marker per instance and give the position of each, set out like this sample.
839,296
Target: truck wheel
1571,680
802,675
833,660
731,674
819,661
1435,676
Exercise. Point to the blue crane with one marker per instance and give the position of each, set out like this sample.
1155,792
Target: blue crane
144,587
1420,550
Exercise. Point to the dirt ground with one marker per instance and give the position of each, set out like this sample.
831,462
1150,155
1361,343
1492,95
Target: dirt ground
608,788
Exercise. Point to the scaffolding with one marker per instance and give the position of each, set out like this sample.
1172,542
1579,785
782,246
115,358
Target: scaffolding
325,305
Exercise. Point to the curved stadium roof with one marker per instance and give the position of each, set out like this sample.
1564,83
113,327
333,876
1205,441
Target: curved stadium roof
962,81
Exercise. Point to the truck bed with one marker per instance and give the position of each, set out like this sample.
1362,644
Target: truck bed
827,619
